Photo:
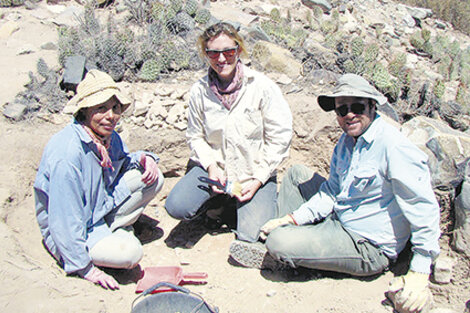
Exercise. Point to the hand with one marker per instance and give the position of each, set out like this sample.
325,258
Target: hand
150,174
249,191
275,223
97,276
410,293
214,172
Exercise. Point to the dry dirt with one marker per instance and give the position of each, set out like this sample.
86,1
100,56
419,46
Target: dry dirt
32,282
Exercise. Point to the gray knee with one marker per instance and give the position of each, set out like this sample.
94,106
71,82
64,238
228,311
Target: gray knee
276,243
299,173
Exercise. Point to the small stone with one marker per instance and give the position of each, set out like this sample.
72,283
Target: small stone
26,49
15,111
443,270
49,46
271,293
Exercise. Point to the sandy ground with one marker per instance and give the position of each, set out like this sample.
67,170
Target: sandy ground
32,282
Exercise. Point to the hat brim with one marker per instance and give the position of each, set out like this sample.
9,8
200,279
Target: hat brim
99,98
327,102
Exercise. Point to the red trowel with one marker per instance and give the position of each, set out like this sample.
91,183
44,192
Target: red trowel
172,274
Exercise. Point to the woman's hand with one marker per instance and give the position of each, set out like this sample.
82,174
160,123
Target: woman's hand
150,174
249,191
214,172
97,276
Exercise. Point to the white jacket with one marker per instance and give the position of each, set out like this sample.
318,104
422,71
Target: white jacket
248,141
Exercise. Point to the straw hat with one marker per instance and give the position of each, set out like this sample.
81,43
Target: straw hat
351,85
96,88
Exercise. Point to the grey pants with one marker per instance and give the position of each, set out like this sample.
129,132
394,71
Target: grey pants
326,245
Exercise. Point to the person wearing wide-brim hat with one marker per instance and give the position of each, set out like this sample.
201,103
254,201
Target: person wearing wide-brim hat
89,189
377,197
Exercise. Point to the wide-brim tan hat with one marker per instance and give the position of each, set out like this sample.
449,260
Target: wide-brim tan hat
96,88
351,85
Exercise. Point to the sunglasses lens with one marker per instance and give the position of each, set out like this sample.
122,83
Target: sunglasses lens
356,108
342,110
229,53
212,54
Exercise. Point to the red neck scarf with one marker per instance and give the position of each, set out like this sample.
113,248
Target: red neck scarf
102,146
228,95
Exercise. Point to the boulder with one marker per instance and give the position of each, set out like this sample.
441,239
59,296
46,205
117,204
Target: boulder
323,4
277,59
447,149
461,241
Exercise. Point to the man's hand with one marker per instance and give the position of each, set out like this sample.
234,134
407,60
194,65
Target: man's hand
150,174
249,191
215,173
410,293
97,276
275,223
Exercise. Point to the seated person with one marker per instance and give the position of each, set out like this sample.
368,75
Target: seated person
89,189
377,197
239,130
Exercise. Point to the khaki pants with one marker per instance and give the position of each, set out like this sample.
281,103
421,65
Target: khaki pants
121,249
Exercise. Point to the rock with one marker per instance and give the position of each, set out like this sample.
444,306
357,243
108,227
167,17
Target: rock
257,33
49,46
26,48
284,80
8,28
409,21
15,111
461,241
271,293
141,108
443,269
447,149
277,59
74,72
323,4
176,113
163,91
67,17
419,13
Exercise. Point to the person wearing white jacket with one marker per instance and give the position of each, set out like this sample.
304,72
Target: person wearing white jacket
239,131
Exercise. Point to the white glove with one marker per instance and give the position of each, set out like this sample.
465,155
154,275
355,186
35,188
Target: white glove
410,293
275,223
97,276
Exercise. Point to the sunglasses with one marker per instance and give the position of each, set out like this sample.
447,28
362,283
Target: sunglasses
228,53
356,108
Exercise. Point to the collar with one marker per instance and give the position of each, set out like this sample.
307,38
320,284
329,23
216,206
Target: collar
371,133
82,134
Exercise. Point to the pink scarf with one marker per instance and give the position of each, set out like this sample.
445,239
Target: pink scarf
102,146
228,95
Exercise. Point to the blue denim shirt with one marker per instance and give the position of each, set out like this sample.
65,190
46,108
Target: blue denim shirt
380,188
73,193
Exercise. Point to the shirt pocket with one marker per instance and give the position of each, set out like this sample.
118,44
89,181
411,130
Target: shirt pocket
363,179
252,126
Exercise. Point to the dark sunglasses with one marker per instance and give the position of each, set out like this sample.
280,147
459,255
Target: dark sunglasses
356,108
228,53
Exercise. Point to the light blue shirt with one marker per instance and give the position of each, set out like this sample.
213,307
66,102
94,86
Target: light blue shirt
380,188
73,193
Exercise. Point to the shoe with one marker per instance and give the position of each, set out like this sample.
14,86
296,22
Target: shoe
254,255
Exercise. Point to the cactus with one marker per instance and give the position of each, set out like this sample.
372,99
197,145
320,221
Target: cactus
357,46
417,41
381,77
317,12
439,89
371,52
454,49
396,65
16,3
151,70
443,66
191,7
275,15
176,5
202,16
426,34
5,3
182,22
328,27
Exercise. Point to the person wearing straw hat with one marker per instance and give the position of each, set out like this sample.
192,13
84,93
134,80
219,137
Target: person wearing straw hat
378,196
89,189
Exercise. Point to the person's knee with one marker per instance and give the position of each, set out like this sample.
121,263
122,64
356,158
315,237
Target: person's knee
299,173
276,243
177,207
120,250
